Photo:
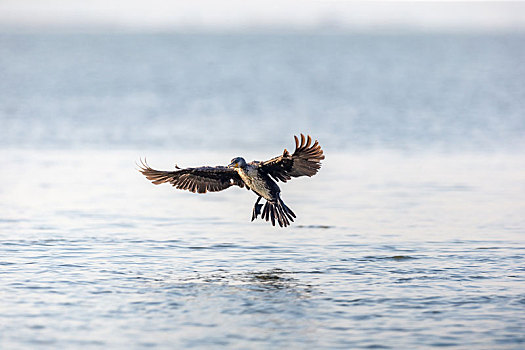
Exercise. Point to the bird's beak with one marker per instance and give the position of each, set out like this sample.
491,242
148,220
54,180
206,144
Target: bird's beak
233,165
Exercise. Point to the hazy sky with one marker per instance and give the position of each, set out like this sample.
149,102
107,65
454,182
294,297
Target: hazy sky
228,14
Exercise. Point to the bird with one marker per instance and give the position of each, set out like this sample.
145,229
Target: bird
261,177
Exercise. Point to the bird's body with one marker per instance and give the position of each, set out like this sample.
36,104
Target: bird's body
258,181
257,176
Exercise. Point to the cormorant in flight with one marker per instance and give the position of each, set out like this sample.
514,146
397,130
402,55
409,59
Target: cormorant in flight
257,176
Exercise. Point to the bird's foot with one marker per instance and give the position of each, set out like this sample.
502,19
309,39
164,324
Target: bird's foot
256,211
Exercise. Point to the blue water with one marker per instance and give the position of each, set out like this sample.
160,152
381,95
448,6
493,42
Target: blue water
168,90
411,236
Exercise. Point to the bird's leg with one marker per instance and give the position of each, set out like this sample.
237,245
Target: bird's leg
256,209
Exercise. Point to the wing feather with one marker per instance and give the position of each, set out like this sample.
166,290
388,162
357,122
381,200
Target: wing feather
201,180
305,161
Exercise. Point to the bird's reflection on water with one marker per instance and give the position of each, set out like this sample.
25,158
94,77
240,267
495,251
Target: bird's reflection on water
278,279
275,279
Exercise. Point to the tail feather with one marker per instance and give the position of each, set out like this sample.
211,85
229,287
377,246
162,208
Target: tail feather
277,211
285,219
288,211
266,212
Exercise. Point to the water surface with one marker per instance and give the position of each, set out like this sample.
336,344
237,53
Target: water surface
388,252
410,237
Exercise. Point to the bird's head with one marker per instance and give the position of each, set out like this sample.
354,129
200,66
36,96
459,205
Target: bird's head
238,162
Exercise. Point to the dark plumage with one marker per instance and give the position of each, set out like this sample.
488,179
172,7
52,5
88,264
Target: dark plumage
257,176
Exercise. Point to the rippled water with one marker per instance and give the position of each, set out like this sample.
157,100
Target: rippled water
389,251
411,236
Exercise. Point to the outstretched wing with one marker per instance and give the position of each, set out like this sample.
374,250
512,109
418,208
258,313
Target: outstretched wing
305,161
203,179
